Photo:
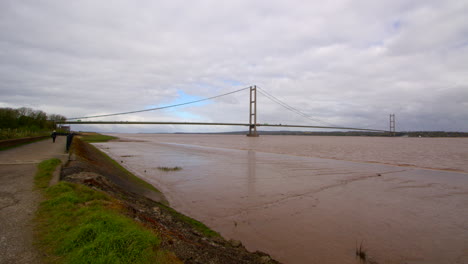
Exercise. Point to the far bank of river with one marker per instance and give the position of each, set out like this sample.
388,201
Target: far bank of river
312,199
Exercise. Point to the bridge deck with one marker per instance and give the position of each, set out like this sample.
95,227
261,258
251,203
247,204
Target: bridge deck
208,124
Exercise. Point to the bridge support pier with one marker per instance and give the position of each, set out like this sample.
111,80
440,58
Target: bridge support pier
253,112
392,125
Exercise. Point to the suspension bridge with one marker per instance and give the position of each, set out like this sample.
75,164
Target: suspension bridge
252,125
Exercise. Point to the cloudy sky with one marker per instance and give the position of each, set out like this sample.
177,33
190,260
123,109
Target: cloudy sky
344,62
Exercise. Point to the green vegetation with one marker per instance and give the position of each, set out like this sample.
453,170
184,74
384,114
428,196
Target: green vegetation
44,173
169,168
200,227
357,133
85,150
7,133
433,134
81,225
129,175
95,138
76,224
26,122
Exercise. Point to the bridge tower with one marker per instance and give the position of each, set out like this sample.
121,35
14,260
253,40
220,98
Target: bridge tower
392,125
253,112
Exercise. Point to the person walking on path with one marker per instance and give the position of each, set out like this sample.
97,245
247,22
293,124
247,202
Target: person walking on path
53,135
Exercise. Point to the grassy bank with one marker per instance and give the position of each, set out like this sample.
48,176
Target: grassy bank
7,133
76,224
106,162
95,137
90,152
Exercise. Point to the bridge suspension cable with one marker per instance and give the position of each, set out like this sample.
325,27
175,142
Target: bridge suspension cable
291,108
162,107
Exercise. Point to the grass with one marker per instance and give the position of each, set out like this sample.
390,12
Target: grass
95,137
200,227
192,222
130,175
76,224
170,168
44,173
14,133
80,225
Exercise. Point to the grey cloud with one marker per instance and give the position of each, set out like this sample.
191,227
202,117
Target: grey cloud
346,62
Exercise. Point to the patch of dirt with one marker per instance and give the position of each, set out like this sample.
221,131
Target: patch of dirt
177,236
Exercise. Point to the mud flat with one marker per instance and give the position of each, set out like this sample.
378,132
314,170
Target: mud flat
306,209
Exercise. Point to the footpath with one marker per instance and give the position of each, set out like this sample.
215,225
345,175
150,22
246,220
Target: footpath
19,200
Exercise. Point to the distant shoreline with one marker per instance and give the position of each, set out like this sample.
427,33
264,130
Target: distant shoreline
339,133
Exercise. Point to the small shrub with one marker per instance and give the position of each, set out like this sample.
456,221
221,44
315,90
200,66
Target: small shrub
170,168
361,253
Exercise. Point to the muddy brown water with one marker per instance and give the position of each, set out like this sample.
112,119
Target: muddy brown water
315,199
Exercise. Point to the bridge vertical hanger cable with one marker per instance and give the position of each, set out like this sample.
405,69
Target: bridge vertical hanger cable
253,112
292,109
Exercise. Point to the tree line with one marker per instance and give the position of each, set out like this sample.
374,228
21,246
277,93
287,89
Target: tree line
24,121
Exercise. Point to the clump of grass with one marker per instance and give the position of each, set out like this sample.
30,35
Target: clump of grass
77,224
45,169
170,168
361,253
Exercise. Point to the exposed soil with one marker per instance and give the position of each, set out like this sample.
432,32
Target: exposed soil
88,167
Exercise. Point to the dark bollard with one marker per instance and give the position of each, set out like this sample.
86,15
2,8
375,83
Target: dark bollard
69,140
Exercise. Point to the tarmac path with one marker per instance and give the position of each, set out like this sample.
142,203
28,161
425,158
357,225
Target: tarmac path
19,200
